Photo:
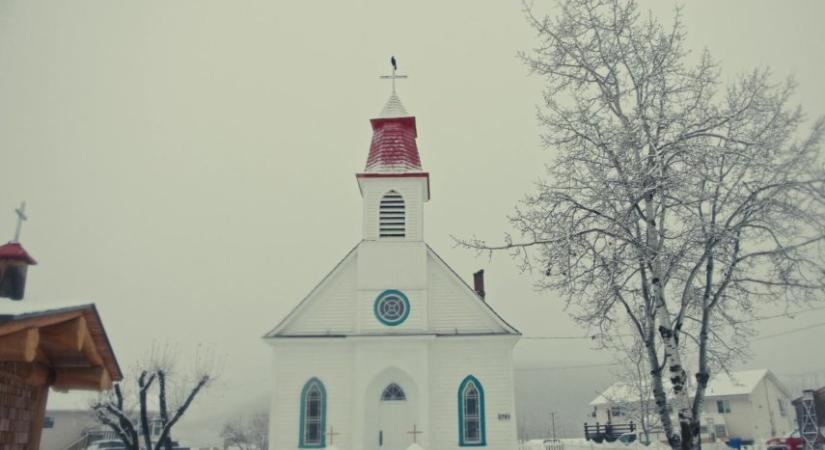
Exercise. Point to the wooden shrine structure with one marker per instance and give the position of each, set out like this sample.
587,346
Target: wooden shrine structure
64,349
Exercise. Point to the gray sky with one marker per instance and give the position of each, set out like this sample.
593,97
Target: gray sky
188,165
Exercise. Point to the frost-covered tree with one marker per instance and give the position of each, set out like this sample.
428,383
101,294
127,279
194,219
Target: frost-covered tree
247,432
676,205
143,416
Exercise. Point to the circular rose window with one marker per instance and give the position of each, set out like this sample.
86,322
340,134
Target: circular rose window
392,307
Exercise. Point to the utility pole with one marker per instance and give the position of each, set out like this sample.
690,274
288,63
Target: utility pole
553,421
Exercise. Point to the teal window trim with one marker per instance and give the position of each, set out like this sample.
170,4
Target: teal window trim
377,304
303,406
482,425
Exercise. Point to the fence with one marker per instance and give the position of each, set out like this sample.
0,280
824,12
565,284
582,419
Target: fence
608,432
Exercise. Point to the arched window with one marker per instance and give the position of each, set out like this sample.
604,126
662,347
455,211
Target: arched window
313,414
393,392
391,220
471,426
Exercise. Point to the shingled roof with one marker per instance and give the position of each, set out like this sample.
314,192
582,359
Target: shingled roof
393,148
13,251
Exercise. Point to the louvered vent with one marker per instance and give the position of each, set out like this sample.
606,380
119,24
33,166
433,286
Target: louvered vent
391,216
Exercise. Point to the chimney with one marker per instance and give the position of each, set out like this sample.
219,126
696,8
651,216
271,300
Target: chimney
478,283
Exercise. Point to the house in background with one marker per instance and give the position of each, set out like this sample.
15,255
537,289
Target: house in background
749,404
68,419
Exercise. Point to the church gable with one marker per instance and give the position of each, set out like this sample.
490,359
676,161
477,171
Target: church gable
454,307
451,305
327,310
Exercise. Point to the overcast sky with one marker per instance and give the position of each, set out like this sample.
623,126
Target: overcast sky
189,165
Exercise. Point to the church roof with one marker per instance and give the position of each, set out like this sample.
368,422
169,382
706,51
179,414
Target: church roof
393,148
466,297
15,252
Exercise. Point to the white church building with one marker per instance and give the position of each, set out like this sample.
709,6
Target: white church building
392,348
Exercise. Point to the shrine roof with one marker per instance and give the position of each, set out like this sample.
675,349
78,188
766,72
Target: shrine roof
54,322
15,252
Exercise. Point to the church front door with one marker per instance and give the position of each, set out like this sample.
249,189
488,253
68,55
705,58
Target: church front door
394,419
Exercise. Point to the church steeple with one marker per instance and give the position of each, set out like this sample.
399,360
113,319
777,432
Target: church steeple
393,147
393,184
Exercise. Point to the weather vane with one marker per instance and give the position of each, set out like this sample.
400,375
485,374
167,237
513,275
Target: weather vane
394,76
21,216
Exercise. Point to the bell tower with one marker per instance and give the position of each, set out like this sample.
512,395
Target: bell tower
392,258
393,185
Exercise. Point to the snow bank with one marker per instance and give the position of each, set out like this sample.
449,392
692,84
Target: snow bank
582,444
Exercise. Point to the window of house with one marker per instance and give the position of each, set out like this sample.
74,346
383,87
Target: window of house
471,413
723,406
721,431
391,216
313,414
618,411
393,392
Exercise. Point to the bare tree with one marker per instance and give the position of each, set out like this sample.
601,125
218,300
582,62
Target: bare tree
247,433
133,415
675,205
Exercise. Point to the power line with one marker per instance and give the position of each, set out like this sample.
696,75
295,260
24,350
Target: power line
550,368
791,331
755,319
788,315
560,338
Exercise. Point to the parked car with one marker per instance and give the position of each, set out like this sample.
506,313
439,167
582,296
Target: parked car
627,438
790,442
107,444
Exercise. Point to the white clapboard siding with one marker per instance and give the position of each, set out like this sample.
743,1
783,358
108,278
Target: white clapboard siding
490,361
328,309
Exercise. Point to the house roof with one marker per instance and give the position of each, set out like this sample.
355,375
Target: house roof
618,392
70,401
741,382
13,251
393,148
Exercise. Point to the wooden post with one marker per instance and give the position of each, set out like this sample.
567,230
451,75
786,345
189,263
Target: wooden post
39,414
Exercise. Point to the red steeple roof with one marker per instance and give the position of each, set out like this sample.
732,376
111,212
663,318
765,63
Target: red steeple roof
13,251
393,147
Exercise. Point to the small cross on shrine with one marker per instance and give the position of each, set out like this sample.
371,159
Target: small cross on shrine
21,216
394,76
415,433
331,433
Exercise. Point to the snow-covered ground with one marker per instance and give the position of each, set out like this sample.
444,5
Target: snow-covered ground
582,444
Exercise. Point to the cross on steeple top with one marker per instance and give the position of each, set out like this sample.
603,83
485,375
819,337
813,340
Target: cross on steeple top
21,216
394,75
